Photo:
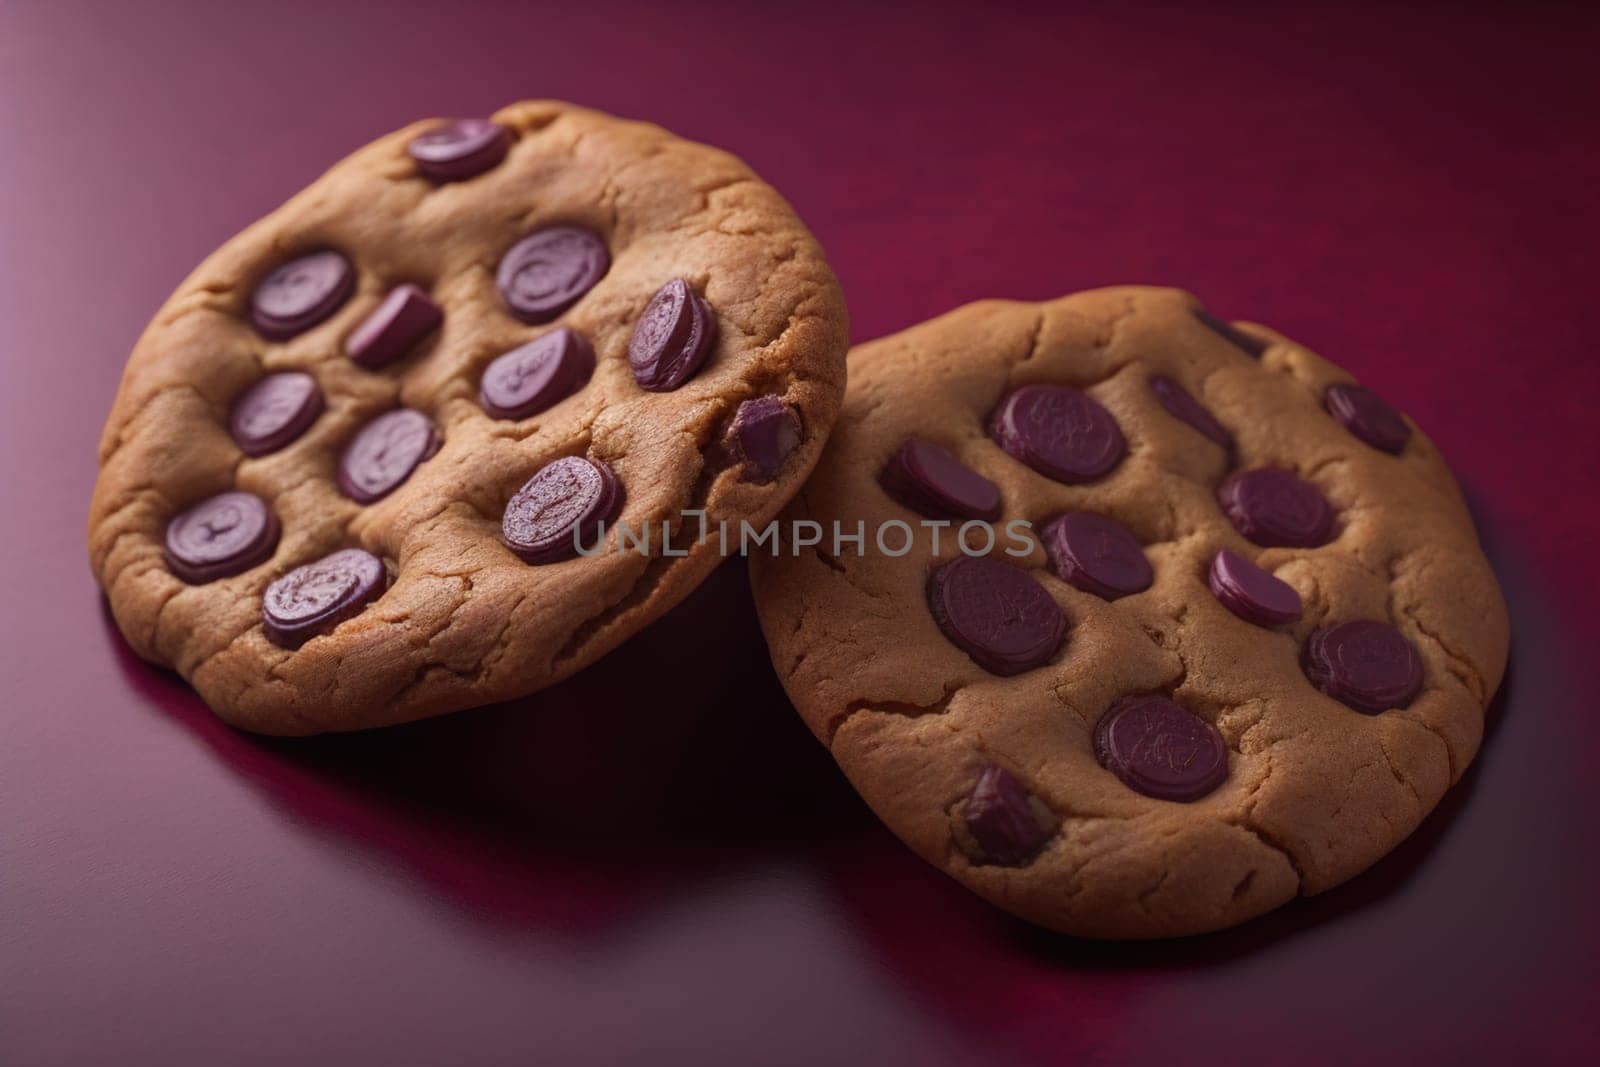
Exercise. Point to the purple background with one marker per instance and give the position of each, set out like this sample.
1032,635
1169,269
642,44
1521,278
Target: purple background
660,865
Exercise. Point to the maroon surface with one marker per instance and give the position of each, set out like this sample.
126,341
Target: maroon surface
629,870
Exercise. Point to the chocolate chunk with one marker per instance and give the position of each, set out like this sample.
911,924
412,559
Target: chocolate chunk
537,375
1250,592
996,613
1369,666
1061,433
406,315
763,433
1255,346
317,597
301,293
460,149
1003,822
1096,555
1180,405
929,480
672,338
1160,749
384,454
549,270
1275,508
1364,414
223,535
274,411
566,500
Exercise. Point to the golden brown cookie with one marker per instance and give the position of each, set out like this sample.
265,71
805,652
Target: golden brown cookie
1229,637
353,458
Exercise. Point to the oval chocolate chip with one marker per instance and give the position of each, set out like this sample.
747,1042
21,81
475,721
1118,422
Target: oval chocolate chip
1255,346
1096,555
929,480
301,293
1275,508
459,149
1366,665
1250,592
996,614
1002,820
274,411
565,501
763,433
1160,749
384,454
406,315
1364,414
549,270
317,597
1184,407
1061,433
535,376
223,535
672,338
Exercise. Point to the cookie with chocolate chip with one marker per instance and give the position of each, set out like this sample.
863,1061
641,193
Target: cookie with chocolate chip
1186,623
372,461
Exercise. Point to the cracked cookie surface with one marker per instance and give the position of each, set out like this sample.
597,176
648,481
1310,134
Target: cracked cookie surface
389,286
1221,782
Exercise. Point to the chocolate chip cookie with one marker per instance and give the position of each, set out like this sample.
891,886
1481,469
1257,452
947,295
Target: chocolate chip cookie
359,463
1175,622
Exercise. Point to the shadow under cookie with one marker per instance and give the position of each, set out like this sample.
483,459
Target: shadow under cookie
578,805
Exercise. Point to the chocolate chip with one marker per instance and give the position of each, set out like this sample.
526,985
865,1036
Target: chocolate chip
1275,508
1061,433
537,375
1002,820
996,614
1369,666
929,480
1160,749
1180,405
1255,346
1365,415
1096,555
549,270
384,454
406,315
672,338
460,149
1250,592
301,293
317,597
274,411
226,534
566,500
763,433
